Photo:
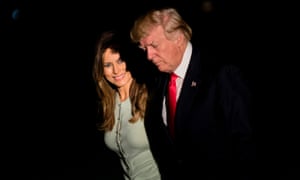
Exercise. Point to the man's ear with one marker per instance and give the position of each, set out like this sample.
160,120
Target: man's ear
179,37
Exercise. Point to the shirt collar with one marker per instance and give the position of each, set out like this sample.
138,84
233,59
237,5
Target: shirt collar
182,68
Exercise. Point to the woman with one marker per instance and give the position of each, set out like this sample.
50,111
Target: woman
123,104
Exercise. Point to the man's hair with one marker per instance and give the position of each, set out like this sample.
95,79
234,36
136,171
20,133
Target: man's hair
168,18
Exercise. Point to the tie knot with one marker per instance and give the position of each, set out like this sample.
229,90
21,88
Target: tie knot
173,77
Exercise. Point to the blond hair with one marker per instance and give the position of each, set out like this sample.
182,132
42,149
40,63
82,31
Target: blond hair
168,18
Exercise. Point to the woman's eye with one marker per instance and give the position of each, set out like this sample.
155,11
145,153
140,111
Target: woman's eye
107,65
120,61
142,48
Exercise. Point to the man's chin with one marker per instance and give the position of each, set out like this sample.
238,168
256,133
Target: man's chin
161,68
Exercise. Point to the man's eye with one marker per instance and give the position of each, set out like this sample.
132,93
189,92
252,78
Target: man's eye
154,45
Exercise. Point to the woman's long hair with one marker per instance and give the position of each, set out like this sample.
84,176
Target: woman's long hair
138,94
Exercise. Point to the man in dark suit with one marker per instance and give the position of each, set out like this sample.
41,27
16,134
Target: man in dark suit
212,136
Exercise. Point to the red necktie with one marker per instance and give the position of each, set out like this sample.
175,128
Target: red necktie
172,102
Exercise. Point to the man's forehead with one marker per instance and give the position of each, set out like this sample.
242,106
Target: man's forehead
147,40
151,38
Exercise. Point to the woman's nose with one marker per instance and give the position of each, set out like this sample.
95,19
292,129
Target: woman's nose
116,69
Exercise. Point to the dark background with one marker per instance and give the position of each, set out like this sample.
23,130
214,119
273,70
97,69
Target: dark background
49,99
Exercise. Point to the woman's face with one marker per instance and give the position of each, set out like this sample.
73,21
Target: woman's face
115,69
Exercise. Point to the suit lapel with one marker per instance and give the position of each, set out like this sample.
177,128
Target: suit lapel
190,87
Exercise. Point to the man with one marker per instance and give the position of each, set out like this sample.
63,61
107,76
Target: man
210,136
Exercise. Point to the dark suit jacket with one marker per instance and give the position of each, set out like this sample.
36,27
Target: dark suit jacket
213,135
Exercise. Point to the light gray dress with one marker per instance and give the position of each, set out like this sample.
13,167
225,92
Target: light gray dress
129,141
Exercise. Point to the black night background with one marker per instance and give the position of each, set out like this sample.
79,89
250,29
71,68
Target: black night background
48,96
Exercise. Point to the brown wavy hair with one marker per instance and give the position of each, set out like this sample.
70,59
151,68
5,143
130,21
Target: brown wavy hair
138,94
